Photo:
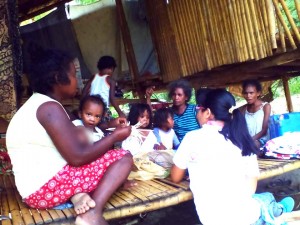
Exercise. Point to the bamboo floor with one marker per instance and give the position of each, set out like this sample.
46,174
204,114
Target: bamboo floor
145,197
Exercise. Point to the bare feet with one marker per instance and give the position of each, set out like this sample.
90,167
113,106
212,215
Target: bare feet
82,202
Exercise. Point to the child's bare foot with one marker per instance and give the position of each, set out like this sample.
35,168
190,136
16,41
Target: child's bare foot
129,184
82,202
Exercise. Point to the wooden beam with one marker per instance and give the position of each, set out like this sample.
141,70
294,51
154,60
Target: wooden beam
133,68
238,72
288,98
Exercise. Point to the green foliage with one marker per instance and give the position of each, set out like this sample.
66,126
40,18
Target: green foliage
292,8
86,2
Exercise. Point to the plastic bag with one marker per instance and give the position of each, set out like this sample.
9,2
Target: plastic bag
147,169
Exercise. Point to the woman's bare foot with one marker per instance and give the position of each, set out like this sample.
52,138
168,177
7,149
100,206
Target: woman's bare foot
82,202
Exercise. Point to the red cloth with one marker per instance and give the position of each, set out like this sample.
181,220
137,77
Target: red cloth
72,180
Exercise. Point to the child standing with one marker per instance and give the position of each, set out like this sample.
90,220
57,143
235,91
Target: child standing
91,110
224,141
163,129
103,84
142,138
257,112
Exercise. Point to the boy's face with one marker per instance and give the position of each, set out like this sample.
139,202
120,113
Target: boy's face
144,118
91,114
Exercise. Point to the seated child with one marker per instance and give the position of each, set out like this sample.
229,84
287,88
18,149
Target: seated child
163,130
91,109
142,138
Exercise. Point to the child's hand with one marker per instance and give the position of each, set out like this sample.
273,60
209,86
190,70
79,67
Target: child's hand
159,146
121,133
149,91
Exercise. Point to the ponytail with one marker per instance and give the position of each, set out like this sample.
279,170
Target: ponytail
238,133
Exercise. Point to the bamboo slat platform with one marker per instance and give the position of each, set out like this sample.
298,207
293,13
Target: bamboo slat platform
146,196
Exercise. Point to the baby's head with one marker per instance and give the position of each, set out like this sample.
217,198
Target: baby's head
140,112
163,119
91,110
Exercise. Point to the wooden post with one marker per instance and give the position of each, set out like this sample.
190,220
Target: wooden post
285,81
133,68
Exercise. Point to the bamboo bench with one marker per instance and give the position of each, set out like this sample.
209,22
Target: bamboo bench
145,197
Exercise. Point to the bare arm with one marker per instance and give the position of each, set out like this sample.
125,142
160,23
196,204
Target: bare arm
177,174
87,88
112,97
148,94
265,125
62,132
252,183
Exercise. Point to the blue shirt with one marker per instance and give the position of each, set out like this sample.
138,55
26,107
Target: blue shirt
185,122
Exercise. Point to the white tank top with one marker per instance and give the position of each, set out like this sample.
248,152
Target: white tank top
34,156
99,86
255,121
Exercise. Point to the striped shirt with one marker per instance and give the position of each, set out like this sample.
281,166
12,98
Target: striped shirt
185,122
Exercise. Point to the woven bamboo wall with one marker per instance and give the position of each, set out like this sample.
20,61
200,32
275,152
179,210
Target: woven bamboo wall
197,35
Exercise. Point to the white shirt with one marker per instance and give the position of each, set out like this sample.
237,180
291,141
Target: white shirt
135,145
218,173
34,157
93,136
99,86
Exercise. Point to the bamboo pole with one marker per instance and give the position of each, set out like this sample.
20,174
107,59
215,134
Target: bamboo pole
227,28
213,34
281,35
261,28
209,62
250,25
235,30
255,29
272,23
267,25
286,29
179,33
246,30
297,4
291,20
197,48
217,28
285,81
240,33
199,38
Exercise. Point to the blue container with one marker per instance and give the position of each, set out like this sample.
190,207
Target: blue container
282,123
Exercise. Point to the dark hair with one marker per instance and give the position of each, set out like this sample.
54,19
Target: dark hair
97,99
136,110
254,83
47,68
161,116
201,94
106,62
219,101
184,85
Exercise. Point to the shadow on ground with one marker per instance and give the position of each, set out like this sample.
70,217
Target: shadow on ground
182,214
